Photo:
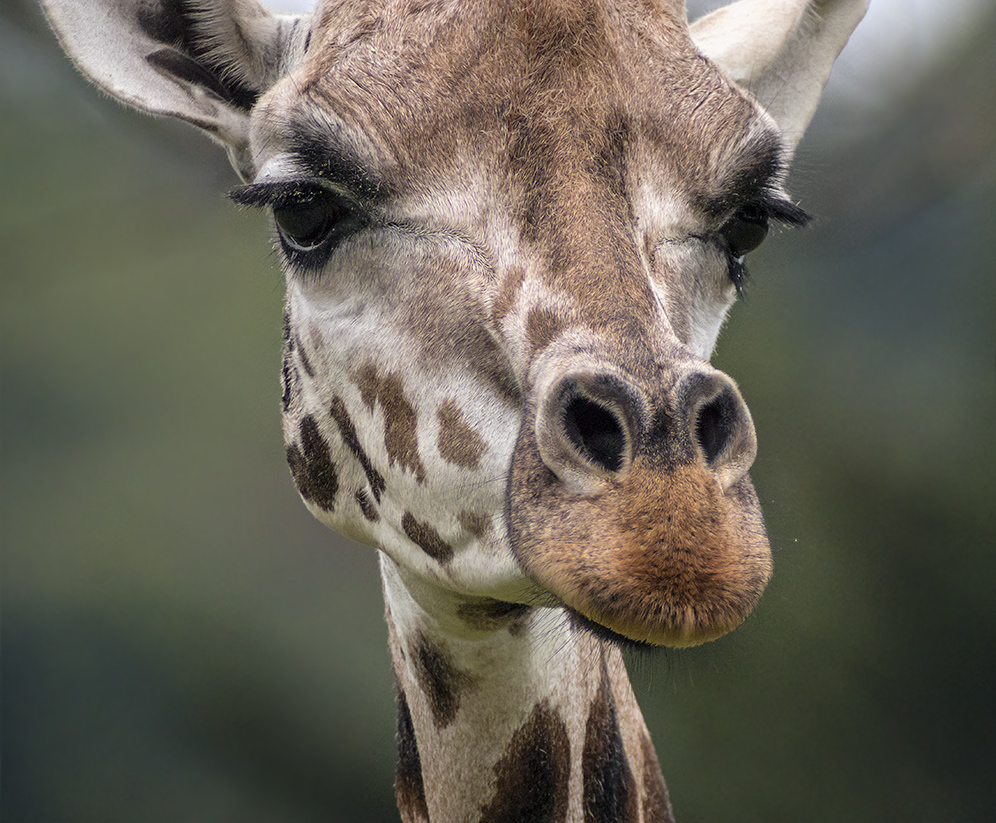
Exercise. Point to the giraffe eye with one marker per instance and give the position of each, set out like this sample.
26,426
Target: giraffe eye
307,224
745,232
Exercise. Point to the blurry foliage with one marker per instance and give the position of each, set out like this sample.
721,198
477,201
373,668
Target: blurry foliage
181,641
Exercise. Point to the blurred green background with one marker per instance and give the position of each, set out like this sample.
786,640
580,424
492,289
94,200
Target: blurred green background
181,641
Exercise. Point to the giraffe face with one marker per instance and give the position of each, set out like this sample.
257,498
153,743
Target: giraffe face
509,250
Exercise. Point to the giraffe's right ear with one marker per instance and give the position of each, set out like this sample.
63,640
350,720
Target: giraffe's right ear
781,51
203,61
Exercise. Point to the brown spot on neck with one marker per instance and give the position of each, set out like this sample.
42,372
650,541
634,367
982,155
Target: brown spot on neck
441,681
487,614
458,443
409,785
656,802
609,787
532,775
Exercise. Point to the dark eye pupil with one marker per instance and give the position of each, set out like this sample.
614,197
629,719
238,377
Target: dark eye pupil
744,234
307,223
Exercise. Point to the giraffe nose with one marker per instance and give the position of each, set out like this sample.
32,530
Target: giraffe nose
594,424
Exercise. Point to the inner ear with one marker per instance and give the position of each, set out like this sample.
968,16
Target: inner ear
225,48
178,65
241,43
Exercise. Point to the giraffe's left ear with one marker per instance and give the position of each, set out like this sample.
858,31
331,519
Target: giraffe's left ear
781,51
202,61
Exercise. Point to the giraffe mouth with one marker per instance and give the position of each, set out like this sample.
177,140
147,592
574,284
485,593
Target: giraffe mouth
661,553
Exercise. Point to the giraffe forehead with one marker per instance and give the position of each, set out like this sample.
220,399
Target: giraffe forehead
524,92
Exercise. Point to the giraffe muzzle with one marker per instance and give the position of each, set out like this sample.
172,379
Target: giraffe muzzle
630,501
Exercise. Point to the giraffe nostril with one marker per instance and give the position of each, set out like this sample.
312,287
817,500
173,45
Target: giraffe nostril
585,426
595,432
716,425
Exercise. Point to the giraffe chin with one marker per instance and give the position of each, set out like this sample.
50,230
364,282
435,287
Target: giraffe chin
663,557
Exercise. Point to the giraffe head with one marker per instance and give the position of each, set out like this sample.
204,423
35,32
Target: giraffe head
511,233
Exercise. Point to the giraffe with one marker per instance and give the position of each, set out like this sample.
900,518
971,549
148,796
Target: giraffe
511,232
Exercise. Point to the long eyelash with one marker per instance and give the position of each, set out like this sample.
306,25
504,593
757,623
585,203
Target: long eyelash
784,211
278,193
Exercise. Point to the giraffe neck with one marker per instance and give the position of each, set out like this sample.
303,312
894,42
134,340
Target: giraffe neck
509,713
